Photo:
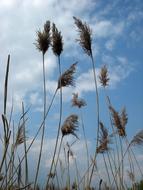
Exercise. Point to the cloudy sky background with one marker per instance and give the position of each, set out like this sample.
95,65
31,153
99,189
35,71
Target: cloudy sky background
117,42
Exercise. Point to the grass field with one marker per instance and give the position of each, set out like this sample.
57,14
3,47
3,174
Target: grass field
112,145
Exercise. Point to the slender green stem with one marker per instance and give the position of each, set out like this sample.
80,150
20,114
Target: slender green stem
55,163
43,131
4,155
122,166
77,172
25,147
108,102
131,166
98,117
86,146
5,110
122,159
68,156
112,171
41,125
106,167
135,158
59,127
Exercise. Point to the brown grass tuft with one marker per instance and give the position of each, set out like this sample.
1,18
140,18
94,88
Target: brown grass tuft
103,76
85,39
138,138
119,121
67,78
20,136
70,125
43,38
103,140
78,102
57,41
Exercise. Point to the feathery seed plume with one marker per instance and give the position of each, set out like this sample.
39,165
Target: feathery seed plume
76,101
103,76
124,117
85,36
67,78
57,41
70,125
103,140
43,38
20,137
137,139
118,121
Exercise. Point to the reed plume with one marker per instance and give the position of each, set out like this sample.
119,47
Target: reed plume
67,78
43,38
103,140
57,41
124,117
70,125
85,36
119,121
20,136
103,76
78,102
137,139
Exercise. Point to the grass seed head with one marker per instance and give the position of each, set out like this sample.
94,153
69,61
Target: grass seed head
67,78
104,139
43,38
78,102
85,36
118,121
70,125
57,41
103,76
137,139
20,137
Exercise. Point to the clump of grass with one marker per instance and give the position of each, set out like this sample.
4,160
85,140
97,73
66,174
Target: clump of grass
11,176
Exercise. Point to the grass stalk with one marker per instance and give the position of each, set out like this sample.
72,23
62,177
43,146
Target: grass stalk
59,126
86,145
98,116
106,167
25,148
34,138
43,129
110,163
108,102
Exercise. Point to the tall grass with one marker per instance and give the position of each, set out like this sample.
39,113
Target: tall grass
112,145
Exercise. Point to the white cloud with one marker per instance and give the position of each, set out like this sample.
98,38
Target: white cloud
7,3
110,44
106,28
18,35
117,73
19,21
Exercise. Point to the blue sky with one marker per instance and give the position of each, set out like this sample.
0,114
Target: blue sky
117,27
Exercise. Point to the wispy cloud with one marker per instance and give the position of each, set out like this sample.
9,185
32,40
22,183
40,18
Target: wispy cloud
106,28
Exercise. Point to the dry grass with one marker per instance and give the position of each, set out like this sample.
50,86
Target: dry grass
109,143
